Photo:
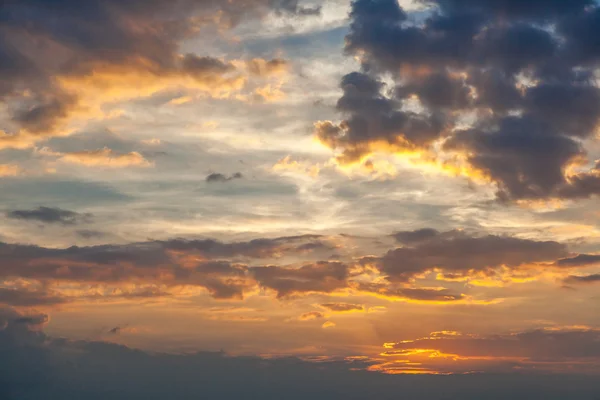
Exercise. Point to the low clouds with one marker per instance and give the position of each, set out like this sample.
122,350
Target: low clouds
458,252
216,177
342,307
580,260
321,277
575,279
35,365
499,90
236,270
49,215
27,298
547,350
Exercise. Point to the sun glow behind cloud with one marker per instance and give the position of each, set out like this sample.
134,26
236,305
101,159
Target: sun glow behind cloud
368,187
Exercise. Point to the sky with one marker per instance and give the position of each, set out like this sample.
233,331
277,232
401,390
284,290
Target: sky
299,198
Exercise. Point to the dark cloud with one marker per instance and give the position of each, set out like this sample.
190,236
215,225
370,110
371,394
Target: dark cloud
524,156
554,345
456,251
208,264
412,294
50,215
115,331
514,8
255,248
90,234
261,68
320,277
226,270
581,260
37,52
202,67
313,246
34,365
525,70
574,279
342,307
374,118
218,177
420,235
294,7
26,298
312,315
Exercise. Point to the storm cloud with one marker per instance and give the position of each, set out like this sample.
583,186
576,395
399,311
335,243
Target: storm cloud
525,71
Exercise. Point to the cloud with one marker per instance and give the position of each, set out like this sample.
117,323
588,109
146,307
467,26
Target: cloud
342,307
35,365
262,67
420,235
458,252
165,268
160,269
286,164
489,90
320,277
27,298
55,78
100,158
255,248
9,169
216,177
548,349
414,294
115,331
575,279
90,234
581,260
309,316
49,215
514,8
374,122
328,324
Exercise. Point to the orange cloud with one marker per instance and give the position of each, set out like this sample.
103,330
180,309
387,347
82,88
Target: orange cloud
309,316
328,324
286,164
101,158
9,170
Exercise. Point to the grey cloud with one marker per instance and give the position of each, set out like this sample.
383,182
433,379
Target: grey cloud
218,177
580,260
322,277
456,251
575,279
526,157
417,294
408,237
204,263
34,365
475,56
50,215
551,345
514,8
115,331
342,307
35,50
372,116
90,234
27,298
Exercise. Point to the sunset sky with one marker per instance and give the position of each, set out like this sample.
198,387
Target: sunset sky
212,197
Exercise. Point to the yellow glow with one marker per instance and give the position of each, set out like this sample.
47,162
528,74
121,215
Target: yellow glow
10,170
